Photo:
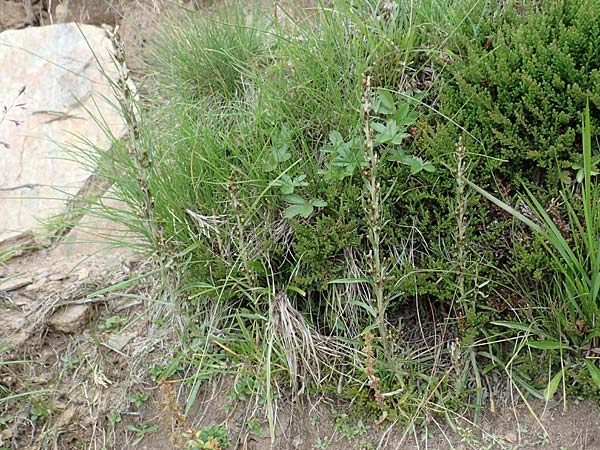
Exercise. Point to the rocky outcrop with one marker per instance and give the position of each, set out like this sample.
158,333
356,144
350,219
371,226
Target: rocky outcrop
54,80
13,14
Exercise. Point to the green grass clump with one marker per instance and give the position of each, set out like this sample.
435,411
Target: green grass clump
270,186
198,56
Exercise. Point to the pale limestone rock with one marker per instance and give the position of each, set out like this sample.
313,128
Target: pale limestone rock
93,233
59,69
61,13
57,276
120,341
37,286
70,318
15,283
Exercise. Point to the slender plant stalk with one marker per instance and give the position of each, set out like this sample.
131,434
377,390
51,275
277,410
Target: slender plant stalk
461,222
373,210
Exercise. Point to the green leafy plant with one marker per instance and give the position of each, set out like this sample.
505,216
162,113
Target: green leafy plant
254,427
300,206
112,324
345,157
141,431
214,437
289,184
160,372
39,410
138,399
575,253
343,425
114,418
322,443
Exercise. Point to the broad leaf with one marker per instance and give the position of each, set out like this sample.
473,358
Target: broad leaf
417,164
384,103
553,386
304,210
281,153
295,199
397,154
405,116
318,203
594,372
288,184
514,325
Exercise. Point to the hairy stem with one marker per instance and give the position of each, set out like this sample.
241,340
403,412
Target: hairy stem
374,210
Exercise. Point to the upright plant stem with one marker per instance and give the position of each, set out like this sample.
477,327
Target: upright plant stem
373,209
461,223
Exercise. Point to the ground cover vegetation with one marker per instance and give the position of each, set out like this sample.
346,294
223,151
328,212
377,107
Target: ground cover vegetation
388,202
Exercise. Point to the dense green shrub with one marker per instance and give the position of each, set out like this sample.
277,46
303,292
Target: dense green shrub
515,96
521,95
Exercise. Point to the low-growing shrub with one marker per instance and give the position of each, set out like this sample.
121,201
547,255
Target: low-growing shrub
514,96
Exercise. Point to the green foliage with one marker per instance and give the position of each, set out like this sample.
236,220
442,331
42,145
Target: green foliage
141,431
577,257
296,188
301,207
208,56
569,325
112,324
214,437
138,399
513,91
348,428
520,96
40,409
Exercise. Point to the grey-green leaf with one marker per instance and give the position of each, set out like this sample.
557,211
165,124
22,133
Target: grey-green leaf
303,210
546,345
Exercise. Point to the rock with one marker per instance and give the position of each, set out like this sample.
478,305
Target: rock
70,318
92,235
12,284
13,15
21,301
92,12
61,13
54,79
510,436
20,244
40,273
57,277
119,341
5,437
38,285
83,274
